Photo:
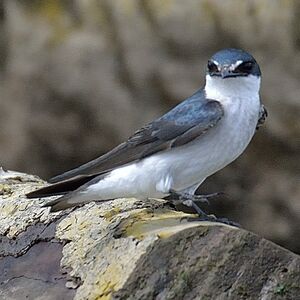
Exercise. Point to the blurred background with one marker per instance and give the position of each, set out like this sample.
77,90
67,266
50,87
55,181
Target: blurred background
78,77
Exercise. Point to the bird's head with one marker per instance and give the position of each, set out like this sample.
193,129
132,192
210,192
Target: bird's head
230,63
232,70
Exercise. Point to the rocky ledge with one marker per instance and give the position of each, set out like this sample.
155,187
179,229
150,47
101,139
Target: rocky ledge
128,249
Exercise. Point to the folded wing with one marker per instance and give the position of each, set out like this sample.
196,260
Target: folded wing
185,122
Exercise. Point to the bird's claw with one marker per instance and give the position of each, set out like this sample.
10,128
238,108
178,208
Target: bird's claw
205,198
201,198
186,198
190,201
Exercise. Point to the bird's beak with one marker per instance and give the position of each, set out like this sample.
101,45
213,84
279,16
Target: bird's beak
225,72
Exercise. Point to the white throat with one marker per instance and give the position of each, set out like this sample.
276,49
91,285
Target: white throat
225,90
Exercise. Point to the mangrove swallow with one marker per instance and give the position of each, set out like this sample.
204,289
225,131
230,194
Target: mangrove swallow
174,154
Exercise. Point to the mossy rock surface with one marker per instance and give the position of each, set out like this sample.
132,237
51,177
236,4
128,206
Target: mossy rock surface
128,249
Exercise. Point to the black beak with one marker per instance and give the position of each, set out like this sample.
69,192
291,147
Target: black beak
225,73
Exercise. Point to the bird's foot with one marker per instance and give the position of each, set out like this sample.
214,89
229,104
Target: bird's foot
182,197
190,201
205,198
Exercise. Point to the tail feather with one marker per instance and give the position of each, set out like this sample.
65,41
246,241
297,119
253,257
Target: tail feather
62,187
63,203
71,190
69,200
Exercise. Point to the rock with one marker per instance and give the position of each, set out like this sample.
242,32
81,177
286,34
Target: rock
80,76
129,249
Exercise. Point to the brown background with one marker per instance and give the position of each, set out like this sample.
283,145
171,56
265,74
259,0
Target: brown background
78,77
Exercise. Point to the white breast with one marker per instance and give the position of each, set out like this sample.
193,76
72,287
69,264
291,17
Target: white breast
228,89
228,139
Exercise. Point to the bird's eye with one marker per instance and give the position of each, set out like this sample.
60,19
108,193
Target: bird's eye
212,67
245,67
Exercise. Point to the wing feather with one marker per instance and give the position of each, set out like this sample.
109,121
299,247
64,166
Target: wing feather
186,122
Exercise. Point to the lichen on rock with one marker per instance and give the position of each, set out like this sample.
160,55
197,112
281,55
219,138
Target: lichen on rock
132,249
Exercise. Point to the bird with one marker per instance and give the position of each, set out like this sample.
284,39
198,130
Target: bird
174,154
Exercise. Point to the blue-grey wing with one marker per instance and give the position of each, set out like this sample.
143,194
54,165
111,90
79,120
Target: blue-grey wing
184,123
